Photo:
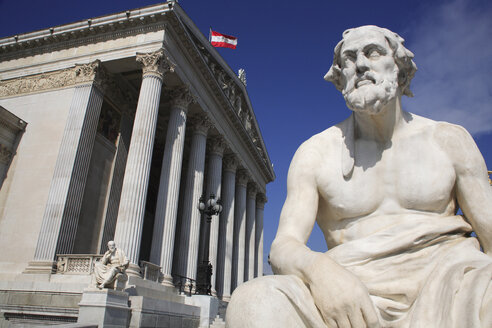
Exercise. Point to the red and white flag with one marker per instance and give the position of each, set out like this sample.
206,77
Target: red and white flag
222,40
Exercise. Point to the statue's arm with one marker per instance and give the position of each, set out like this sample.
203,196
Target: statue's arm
289,253
339,295
473,192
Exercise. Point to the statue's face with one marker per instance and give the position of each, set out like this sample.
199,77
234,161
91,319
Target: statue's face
111,246
369,71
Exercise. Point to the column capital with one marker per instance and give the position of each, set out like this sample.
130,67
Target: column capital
261,199
92,72
217,145
252,190
155,63
242,178
230,163
201,124
182,97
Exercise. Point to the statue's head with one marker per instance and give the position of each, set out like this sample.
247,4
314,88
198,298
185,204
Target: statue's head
111,245
370,67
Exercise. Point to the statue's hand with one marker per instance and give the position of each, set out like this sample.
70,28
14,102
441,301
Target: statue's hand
340,296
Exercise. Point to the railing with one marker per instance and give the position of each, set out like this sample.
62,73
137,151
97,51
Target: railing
185,283
76,263
150,271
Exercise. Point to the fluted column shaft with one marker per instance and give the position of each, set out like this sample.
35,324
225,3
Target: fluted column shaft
134,191
260,205
249,255
239,230
118,174
226,229
169,185
61,215
214,178
190,224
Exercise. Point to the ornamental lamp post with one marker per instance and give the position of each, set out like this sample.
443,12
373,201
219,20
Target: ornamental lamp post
204,275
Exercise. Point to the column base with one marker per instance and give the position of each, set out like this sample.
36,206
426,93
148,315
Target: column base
226,298
133,270
40,267
167,280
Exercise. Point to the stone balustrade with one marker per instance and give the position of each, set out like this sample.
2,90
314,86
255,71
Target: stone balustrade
76,263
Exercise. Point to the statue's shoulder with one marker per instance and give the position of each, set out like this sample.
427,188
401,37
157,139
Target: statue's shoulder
438,129
329,138
449,136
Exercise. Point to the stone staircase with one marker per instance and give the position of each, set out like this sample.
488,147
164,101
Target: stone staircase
219,321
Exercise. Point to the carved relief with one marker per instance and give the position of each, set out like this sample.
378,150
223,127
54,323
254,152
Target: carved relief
155,63
237,104
81,73
40,82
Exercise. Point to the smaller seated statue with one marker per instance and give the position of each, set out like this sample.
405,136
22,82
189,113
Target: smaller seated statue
113,262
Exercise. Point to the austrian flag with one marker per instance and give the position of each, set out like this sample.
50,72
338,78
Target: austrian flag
222,40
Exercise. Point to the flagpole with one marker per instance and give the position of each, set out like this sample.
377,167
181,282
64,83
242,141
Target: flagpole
210,34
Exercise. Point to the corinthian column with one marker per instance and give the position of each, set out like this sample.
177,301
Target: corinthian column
260,205
61,214
226,228
167,198
239,229
134,191
249,256
190,224
214,177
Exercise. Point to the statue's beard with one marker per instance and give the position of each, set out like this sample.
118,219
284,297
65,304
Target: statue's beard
371,98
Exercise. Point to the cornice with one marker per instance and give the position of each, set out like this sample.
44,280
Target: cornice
84,32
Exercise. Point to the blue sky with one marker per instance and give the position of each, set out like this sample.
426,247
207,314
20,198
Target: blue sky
286,47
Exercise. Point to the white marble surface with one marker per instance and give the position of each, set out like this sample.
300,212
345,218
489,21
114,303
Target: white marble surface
384,186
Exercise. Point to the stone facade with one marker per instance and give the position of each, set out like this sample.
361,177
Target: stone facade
112,128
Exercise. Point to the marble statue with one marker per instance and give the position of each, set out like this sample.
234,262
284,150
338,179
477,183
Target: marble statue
384,186
113,262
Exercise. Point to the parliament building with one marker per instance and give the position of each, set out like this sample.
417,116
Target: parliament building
113,128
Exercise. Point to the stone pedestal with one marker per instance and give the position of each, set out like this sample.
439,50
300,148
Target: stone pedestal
104,308
209,308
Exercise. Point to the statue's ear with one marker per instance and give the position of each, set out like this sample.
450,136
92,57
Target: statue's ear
348,148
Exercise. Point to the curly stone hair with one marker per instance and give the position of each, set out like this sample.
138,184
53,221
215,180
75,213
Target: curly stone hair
403,58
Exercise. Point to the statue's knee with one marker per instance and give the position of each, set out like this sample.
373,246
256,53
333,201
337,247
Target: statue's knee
253,289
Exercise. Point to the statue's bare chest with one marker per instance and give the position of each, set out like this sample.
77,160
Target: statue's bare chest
412,174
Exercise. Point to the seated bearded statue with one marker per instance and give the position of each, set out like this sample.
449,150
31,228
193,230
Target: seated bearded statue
113,262
384,186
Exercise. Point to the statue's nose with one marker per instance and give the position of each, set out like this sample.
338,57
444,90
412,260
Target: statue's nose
361,64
